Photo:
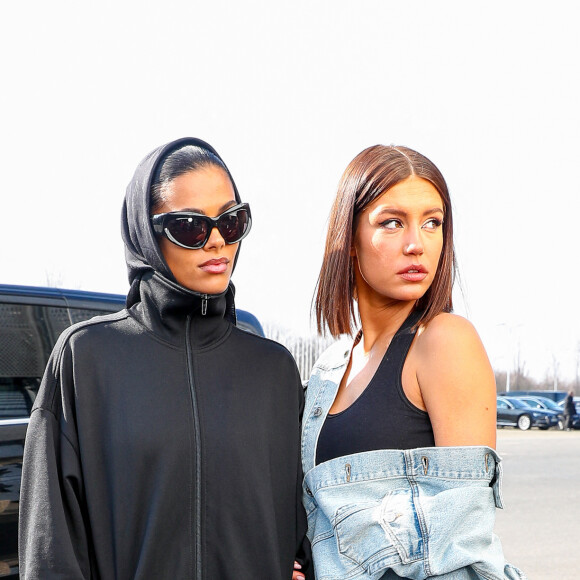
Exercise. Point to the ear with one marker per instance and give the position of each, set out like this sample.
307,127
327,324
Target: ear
352,251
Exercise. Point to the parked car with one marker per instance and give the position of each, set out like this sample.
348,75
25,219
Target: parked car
512,412
545,404
31,319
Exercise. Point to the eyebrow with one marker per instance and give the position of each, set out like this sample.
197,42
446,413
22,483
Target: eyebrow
403,213
223,208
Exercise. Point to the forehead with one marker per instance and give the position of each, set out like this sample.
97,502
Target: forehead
205,190
411,194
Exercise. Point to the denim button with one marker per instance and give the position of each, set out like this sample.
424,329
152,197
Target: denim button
308,492
317,411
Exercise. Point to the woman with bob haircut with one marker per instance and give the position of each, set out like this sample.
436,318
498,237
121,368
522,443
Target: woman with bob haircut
399,428
164,441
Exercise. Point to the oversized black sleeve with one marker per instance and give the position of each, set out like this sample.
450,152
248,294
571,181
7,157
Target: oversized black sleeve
53,540
304,552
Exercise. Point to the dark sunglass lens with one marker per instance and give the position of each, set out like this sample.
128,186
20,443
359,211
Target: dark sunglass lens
233,226
189,231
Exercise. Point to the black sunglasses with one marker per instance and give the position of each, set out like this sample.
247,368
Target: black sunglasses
192,230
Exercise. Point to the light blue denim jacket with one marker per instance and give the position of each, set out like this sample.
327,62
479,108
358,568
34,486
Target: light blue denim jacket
416,513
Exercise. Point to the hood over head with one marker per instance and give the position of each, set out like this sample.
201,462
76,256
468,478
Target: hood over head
142,253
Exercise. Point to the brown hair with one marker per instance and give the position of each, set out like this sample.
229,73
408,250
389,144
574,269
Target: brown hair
370,174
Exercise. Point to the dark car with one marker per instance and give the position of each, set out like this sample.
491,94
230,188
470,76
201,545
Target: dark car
512,412
545,404
31,319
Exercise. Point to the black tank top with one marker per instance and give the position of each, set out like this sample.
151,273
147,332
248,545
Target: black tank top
381,417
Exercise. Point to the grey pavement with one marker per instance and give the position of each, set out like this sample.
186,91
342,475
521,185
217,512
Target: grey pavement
539,527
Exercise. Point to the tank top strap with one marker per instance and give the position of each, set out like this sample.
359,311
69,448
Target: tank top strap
396,354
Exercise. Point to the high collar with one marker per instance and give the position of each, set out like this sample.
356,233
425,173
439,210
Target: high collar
165,307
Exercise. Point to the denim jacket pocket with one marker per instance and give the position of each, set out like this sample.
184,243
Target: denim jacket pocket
378,535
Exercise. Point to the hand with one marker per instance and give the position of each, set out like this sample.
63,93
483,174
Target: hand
296,575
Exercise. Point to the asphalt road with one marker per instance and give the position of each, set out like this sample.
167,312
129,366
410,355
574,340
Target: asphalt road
540,525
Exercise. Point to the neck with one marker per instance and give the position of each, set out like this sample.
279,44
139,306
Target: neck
380,319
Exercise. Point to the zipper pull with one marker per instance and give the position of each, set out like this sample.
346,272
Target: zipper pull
204,305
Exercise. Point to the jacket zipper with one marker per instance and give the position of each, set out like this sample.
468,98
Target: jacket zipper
204,304
197,432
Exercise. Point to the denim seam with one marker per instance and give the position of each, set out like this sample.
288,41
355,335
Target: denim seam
411,478
320,400
333,483
321,537
371,559
353,574
307,452
403,554
394,475
484,574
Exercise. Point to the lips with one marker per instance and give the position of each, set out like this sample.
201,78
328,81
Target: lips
413,273
215,266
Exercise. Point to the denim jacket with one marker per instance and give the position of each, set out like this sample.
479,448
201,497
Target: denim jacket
416,513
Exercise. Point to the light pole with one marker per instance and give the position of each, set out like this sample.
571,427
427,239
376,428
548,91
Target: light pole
510,329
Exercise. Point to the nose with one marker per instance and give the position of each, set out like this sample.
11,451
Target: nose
215,240
413,245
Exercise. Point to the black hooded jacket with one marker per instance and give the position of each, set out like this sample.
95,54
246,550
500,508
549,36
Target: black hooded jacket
164,441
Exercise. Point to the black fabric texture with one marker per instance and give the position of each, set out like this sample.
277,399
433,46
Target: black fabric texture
381,417
164,442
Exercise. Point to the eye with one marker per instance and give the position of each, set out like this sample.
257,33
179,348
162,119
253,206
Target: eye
432,224
391,224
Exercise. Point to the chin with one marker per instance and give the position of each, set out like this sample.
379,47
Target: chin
411,296
216,287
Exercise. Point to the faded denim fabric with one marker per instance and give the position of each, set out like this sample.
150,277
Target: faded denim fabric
386,514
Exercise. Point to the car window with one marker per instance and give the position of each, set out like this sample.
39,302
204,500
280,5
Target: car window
28,333
22,342
501,404
547,404
519,404
532,403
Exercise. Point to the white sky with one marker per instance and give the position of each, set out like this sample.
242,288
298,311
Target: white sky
289,93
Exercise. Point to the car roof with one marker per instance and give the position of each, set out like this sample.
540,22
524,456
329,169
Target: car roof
13,293
87,299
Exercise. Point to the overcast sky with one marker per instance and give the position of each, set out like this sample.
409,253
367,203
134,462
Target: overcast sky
289,93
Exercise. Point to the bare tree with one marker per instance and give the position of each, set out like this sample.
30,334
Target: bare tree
500,380
53,279
524,383
304,349
519,380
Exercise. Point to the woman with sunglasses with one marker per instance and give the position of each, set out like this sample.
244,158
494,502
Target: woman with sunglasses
401,476
164,442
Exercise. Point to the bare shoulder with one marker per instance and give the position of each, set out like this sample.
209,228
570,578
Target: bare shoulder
456,382
451,359
447,331
447,351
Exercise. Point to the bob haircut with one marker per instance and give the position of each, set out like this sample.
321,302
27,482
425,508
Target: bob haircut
370,174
